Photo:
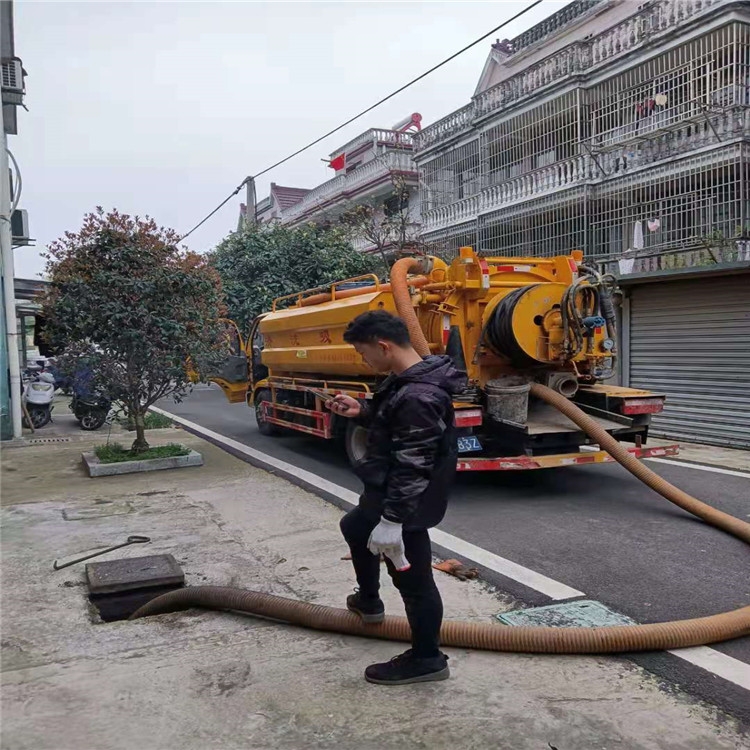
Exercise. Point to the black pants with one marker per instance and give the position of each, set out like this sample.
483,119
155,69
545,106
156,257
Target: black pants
424,607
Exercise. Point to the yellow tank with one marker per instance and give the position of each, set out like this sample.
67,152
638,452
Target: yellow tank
503,314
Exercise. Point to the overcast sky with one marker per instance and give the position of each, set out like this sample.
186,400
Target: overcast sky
163,108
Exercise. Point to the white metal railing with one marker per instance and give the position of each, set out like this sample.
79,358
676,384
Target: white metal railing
585,169
558,176
375,136
322,195
576,58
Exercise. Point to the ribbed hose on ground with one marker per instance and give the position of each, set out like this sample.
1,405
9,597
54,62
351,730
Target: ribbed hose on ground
481,635
618,639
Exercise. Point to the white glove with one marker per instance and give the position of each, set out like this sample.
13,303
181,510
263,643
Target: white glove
387,539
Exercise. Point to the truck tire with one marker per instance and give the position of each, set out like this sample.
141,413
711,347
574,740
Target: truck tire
355,441
264,428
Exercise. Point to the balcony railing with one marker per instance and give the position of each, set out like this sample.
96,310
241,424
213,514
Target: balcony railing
375,136
563,174
584,169
552,24
575,59
342,186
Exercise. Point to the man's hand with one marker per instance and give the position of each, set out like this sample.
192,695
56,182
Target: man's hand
345,406
387,539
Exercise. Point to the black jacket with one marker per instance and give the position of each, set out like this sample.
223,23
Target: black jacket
411,453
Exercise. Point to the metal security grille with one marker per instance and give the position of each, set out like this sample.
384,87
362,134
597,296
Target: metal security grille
544,227
691,340
688,82
696,203
533,140
445,245
452,176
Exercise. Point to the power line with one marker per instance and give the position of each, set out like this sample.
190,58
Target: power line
369,109
221,205
399,90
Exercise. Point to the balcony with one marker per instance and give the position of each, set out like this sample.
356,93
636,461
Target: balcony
363,179
661,150
377,136
576,59
559,176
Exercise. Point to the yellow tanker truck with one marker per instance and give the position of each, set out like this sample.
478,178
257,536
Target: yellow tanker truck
510,323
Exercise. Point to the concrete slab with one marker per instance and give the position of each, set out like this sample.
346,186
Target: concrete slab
218,680
96,468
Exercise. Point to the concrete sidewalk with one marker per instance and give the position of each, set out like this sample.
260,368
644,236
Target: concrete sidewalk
208,680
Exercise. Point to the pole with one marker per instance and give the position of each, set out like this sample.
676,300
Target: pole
9,292
251,216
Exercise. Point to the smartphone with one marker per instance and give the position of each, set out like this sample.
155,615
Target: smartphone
326,397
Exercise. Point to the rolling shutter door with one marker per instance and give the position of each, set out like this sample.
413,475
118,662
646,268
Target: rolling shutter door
691,340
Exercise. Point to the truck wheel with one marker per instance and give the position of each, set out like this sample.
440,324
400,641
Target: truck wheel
264,428
355,442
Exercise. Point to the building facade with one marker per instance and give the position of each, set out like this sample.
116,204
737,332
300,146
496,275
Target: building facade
375,170
623,130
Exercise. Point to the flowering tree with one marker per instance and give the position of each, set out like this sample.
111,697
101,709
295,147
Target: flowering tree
135,308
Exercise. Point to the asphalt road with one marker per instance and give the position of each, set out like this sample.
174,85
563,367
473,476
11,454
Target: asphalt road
595,528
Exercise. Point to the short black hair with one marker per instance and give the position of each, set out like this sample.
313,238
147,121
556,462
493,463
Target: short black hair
377,325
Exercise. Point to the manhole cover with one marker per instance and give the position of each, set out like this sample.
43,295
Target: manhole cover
582,614
117,588
133,573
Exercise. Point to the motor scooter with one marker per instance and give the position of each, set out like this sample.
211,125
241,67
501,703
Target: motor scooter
38,394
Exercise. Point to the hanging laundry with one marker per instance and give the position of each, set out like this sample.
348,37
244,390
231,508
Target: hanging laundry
638,236
653,225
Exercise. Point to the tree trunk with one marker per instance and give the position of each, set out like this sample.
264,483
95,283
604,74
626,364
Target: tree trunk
139,444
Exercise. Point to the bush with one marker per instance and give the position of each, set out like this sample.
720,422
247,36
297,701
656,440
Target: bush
115,453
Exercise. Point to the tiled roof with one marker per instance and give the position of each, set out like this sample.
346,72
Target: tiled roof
287,196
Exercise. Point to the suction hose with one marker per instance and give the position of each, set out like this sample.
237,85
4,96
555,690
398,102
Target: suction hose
402,298
619,639
480,635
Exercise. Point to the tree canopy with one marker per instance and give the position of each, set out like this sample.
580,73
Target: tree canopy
260,263
134,307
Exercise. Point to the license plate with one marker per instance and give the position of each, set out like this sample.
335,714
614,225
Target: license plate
469,444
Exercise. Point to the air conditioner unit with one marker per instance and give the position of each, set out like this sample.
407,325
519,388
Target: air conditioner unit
12,81
19,226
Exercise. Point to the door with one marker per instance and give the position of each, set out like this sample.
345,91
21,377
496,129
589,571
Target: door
232,376
691,340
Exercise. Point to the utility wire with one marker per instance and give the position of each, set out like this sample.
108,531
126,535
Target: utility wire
221,205
369,109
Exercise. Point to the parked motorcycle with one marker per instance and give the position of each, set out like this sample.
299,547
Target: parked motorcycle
91,410
38,395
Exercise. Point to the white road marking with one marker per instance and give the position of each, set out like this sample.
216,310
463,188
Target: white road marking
509,569
704,467
727,667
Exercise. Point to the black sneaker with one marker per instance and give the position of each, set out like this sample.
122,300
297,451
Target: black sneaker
372,611
406,668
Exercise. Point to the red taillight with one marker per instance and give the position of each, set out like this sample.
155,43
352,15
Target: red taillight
642,406
468,418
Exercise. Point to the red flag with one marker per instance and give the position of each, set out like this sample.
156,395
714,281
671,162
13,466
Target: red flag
338,163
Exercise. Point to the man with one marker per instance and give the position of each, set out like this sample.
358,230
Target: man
409,466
